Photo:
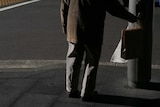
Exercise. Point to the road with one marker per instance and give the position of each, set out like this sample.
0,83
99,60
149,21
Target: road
33,32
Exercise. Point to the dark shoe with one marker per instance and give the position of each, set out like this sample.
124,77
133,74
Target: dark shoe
90,97
74,94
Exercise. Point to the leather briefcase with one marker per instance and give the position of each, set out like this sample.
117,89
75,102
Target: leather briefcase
132,43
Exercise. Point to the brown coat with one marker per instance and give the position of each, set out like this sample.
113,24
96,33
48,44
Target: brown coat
83,20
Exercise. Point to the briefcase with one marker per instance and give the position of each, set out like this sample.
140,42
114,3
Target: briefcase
132,43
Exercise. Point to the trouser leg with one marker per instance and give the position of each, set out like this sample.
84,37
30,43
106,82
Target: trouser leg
91,66
73,65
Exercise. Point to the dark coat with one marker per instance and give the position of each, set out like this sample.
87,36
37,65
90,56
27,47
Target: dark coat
83,20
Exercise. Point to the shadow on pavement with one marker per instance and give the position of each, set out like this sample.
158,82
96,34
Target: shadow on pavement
154,86
127,101
130,101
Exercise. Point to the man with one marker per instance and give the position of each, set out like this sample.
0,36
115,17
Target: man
83,24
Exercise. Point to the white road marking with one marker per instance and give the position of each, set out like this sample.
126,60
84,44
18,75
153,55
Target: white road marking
18,5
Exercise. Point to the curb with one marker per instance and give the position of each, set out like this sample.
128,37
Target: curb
30,65
36,65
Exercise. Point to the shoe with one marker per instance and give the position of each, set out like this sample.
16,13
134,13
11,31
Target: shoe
74,94
90,97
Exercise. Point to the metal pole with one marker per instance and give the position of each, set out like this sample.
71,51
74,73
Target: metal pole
132,64
139,70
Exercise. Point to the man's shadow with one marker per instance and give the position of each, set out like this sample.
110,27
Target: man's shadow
130,101
127,101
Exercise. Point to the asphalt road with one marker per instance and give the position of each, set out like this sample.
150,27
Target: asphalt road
33,32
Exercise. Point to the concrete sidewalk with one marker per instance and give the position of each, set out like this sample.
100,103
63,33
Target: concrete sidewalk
45,87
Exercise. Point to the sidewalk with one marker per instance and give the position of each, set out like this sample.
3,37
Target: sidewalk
44,87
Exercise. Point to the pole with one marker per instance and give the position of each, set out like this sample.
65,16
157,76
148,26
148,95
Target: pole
139,70
132,64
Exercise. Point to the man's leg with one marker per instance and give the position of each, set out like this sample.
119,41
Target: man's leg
93,53
73,65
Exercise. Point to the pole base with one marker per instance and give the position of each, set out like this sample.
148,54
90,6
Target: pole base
138,84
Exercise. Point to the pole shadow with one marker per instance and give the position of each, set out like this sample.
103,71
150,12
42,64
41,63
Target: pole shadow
153,86
149,86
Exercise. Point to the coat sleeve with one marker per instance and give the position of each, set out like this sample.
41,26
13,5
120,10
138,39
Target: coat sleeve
116,9
64,6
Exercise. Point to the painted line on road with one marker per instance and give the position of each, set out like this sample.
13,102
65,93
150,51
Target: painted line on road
18,5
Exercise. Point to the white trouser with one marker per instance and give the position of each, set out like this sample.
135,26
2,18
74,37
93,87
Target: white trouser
73,65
